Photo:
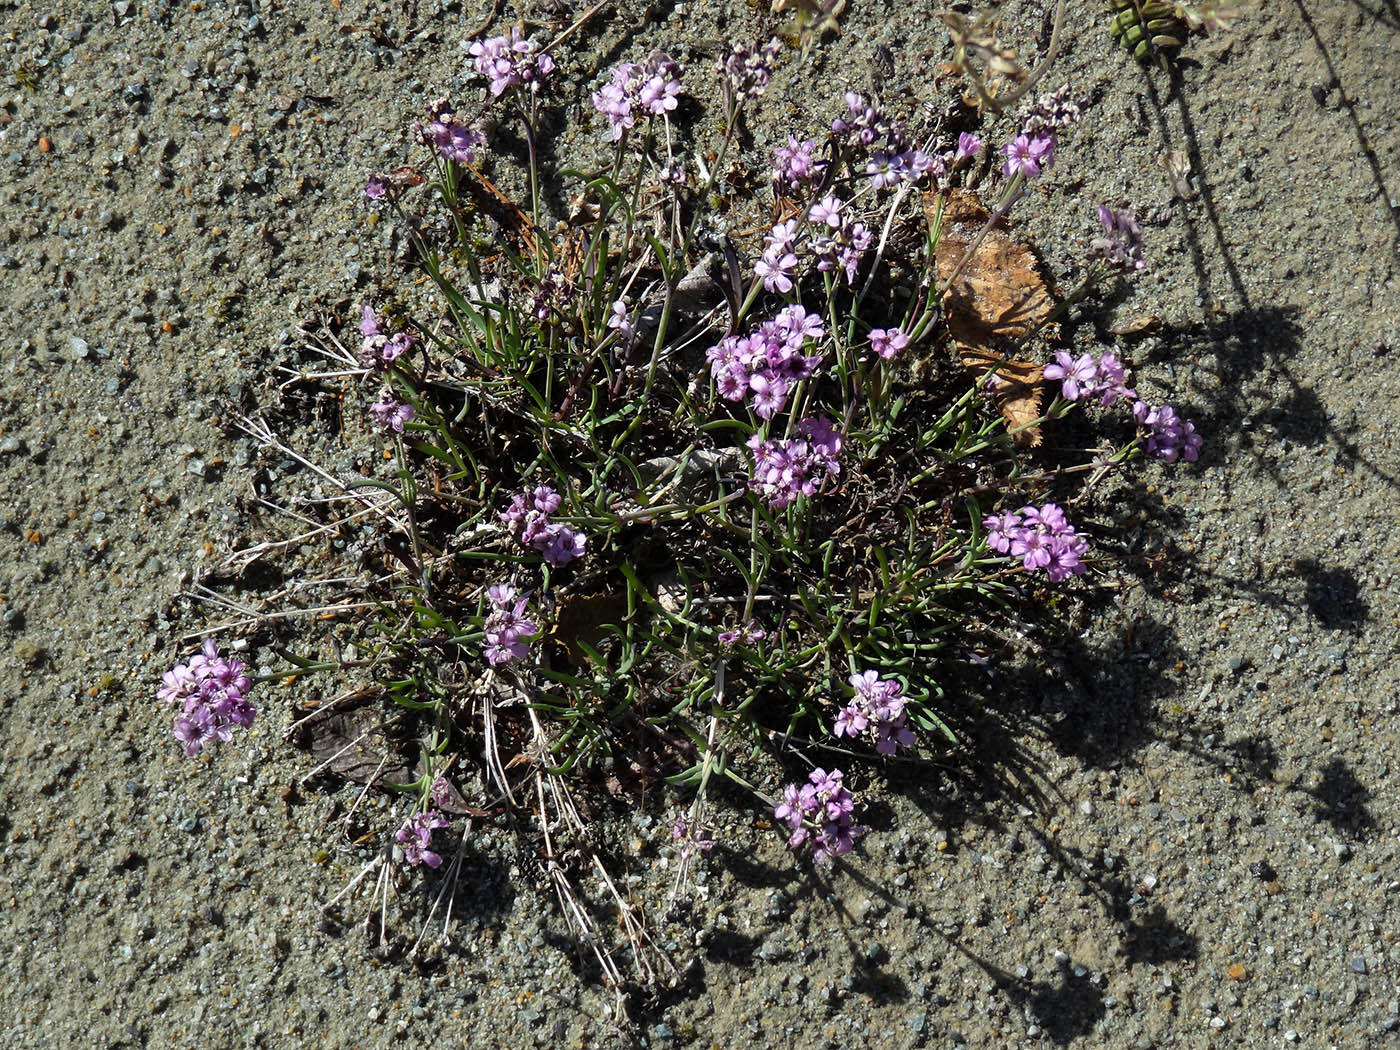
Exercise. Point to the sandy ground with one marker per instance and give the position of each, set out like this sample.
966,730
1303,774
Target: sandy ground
1203,849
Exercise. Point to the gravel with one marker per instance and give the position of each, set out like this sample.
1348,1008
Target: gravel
181,188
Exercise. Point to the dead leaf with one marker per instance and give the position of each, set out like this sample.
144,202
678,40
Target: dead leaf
352,741
1016,386
1144,324
404,176
996,299
584,618
998,296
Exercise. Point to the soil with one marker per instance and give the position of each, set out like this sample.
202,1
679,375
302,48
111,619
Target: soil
1175,820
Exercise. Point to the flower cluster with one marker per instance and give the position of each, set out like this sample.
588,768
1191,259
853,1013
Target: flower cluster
795,165
864,125
380,349
1041,537
212,693
890,169
1032,151
1048,114
749,634
779,262
527,517
508,61
819,814
691,838
749,69
764,365
391,413
552,296
1165,435
445,133
652,86
1088,377
888,343
1120,245
416,836
792,467
1168,436
836,238
878,706
506,628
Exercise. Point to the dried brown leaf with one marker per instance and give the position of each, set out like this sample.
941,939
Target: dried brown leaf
996,299
583,618
352,741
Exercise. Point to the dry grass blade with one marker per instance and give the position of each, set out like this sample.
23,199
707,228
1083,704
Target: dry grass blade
553,794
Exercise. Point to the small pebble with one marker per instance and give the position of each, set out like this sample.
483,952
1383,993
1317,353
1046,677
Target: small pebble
1359,964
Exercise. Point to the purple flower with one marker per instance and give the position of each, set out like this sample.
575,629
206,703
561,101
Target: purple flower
765,364
878,706
563,546
506,628
887,343
1075,373
747,70
1120,245
850,721
510,61
749,634
775,271
1084,376
375,187
528,519
1166,436
379,349
768,395
968,145
796,323
794,164
546,499
892,735
836,240
820,814
211,691
864,124
620,321
1001,530
452,139
1028,156
653,86
1041,537
391,413
441,791
785,469
885,170
826,211
416,835
692,838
